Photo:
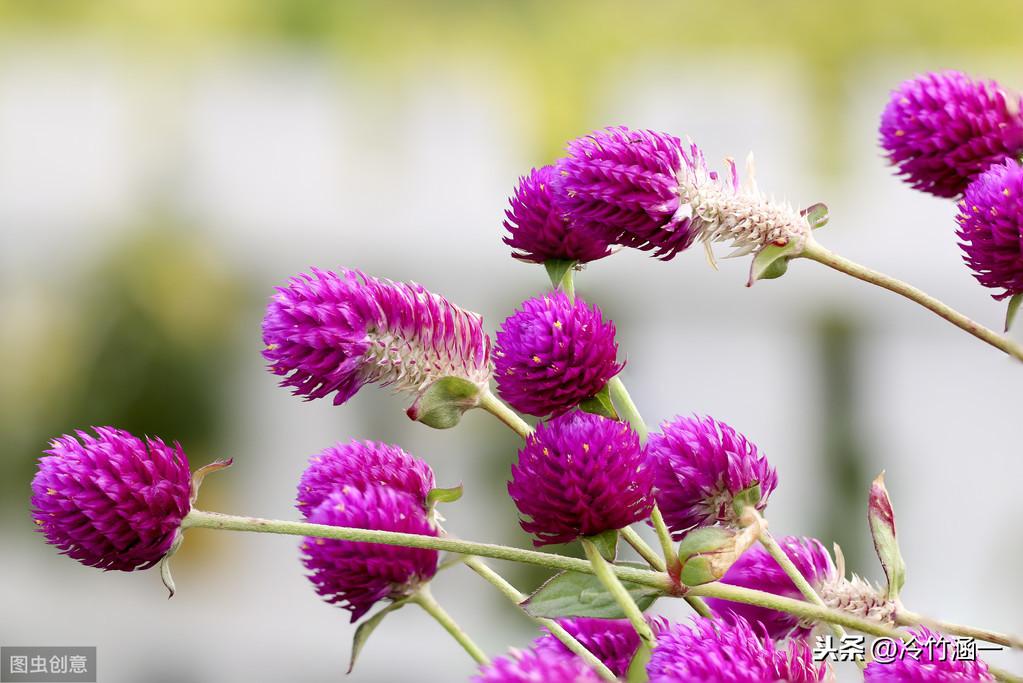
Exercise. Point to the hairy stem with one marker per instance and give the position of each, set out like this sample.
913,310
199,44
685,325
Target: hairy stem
502,412
907,618
425,599
611,582
816,252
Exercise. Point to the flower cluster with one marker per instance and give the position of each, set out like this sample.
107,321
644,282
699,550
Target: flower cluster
991,228
931,660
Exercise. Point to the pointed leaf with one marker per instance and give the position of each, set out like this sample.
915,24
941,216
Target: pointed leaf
1010,312
442,404
200,474
449,495
572,594
816,215
600,404
637,667
606,544
771,262
366,628
557,269
882,529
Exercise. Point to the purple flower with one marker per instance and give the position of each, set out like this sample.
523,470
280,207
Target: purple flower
580,475
355,574
700,466
612,641
991,228
717,651
330,333
541,233
111,501
363,464
758,570
942,129
553,353
931,661
536,666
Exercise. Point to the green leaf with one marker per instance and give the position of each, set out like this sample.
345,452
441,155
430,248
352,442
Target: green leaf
606,544
366,628
816,215
443,403
557,269
747,498
600,404
881,516
572,594
1010,312
637,667
771,262
449,495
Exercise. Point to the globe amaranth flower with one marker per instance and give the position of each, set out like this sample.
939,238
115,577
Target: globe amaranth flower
991,228
931,659
111,500
942,129
700,466
536,666
553,353
719,651
356,575
539,232
579,475
363,464
613,641
329,332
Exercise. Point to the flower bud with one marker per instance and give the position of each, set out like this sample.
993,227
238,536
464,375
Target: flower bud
882,530
707,553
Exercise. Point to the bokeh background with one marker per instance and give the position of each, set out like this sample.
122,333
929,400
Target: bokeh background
163,165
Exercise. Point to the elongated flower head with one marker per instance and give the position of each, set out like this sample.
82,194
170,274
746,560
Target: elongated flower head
540,232
942,129
363,464
612,641
356,575
700,466
580,475
732,651
537,666
111,500
553,353
930,660
758,570
329,332
991,228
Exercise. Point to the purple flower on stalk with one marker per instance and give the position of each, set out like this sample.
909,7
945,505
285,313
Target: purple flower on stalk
363,464
717,651
700,466
111,501
932,661
942,129
553,353
536,666
356,575
329,333
579,475
539,232
991,228
612,641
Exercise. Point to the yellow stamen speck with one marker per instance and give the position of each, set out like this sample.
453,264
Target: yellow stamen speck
51,492
557,323
586,448
536,359
899,133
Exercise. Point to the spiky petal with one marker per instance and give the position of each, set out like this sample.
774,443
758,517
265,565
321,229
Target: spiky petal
942,129
700,466
329,332
111,500
536,666
356,575
553,353
580,475
613,641
363,464
991,228
540,232
931,660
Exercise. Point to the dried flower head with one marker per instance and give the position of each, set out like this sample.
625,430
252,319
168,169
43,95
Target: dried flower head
330,333
580,475
553,353
700,466
613,641
942,129
931,660
112,500
536,666
991,228
355,574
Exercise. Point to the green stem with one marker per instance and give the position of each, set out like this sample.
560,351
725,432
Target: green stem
816,252
664,536
568,284
425,599
614,586
641,547
556,630
626,407
502,412
907,618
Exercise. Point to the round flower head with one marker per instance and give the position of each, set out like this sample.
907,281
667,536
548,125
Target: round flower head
553,353
111,501
363,464
932,660
612,641
355,574
536,666
330,333
540,232
580,475
942,129
700,466
718,651
991,228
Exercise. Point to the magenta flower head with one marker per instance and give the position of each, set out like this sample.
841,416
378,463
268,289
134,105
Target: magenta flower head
355,574
930,660
553,353
327,333
703,471
613,641
539,232
991,228
111,501
942,129
718,651
579,475
363,464
537,666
